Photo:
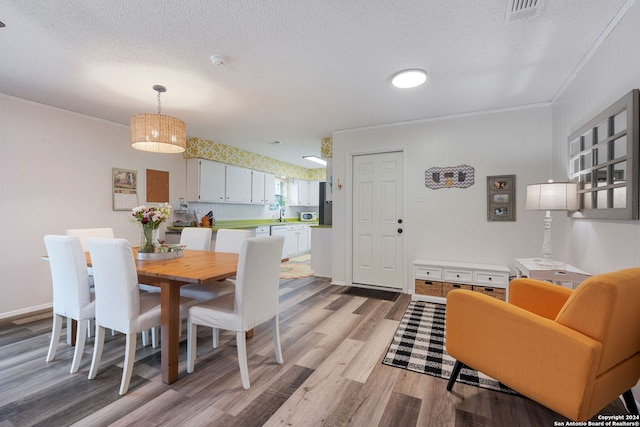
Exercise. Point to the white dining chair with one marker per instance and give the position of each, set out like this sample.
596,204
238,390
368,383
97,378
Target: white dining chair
72,296
255,301
196,238
119,303
227,240
230,240
85,233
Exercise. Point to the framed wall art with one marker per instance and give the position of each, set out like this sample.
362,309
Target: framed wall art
501,198
449,177
125,189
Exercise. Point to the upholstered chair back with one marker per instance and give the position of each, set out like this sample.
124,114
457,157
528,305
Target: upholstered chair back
607,308
258,278
116,284
196,238
71,290
230,240
85,233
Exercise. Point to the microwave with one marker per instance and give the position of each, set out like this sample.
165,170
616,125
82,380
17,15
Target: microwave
307,216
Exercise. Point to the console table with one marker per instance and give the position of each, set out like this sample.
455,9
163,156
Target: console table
551,271
433,280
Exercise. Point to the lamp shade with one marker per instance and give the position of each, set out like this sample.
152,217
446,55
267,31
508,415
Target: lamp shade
158,133
552,196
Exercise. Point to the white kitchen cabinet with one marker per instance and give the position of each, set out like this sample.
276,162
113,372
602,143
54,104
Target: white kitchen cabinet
296,239
303,233
303,192
321,251
269,188
257,187
263,188
314,193
262,231
238,188
205,181
292,194
290,241
209,181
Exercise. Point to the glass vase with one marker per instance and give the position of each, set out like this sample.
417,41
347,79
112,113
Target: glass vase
149,239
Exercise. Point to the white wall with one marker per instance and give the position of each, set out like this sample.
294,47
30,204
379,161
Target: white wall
55,173
452,223
599,246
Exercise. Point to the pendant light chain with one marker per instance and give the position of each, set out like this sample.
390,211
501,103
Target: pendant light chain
159,103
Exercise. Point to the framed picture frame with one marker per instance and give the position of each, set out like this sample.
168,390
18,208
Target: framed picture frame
501,198
124,189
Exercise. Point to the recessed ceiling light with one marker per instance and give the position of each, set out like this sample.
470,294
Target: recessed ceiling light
316,159
409,78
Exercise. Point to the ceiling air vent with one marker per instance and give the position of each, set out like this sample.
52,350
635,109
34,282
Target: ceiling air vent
518,10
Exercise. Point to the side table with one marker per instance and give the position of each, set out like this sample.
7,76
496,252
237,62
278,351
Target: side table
553,271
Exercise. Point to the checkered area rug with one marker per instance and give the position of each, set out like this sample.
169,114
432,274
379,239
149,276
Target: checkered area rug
419,346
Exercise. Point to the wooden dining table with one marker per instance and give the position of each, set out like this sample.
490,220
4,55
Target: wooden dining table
200,267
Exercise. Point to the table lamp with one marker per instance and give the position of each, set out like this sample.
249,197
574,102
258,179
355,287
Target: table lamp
551,196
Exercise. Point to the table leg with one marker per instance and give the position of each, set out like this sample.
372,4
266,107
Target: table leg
170,318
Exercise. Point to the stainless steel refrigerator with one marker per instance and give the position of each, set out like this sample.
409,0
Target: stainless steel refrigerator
324,206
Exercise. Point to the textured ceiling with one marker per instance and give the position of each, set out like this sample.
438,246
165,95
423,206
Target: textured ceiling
297,70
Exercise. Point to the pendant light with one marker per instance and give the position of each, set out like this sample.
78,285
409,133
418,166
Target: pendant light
158,133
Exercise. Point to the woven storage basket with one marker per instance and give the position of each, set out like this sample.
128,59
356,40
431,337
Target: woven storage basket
447,287
499,293
428,287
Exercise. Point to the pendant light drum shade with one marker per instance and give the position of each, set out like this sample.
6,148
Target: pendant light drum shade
158,133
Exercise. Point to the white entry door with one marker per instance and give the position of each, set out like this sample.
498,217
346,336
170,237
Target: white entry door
378,219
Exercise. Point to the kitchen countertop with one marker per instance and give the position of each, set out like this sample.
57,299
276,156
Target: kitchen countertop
246,223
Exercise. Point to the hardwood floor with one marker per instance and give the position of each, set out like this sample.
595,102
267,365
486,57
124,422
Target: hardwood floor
332,375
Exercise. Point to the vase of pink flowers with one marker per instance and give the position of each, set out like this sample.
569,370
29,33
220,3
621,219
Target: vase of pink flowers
149,219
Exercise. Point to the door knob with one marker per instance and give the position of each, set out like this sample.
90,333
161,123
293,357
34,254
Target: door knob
399,221
400,230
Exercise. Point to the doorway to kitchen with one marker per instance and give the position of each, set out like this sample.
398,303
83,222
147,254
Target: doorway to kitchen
377,219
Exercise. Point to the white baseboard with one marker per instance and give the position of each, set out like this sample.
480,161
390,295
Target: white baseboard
25,310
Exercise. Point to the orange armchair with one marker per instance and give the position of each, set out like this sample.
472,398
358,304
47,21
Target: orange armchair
571,351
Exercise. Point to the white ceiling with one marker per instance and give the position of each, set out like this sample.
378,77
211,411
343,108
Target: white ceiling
297,70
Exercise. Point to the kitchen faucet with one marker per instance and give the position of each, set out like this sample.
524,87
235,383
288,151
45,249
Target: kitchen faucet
281,214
